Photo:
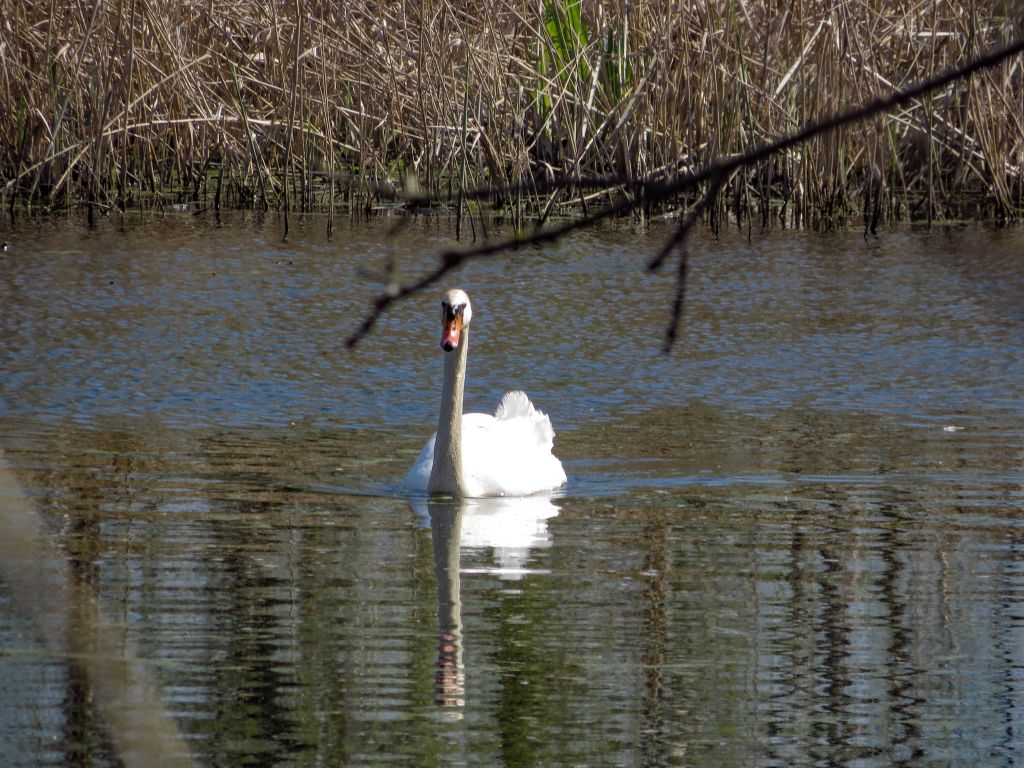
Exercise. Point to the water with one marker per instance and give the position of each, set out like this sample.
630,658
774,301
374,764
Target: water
796,540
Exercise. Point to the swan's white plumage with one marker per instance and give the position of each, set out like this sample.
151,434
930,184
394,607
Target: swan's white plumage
507,454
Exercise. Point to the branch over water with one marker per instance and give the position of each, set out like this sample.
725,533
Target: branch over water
656,191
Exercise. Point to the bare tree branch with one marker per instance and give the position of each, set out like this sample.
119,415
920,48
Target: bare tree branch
660,191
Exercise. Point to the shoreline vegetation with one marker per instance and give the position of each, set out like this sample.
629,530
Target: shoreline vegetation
361,106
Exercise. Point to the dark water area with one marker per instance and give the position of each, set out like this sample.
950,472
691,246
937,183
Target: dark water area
796,540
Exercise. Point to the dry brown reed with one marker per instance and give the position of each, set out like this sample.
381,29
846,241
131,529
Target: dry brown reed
312,105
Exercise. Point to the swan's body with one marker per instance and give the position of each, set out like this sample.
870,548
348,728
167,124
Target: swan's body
507,454
476,454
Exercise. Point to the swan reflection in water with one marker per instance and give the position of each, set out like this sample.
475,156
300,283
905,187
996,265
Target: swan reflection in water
510,528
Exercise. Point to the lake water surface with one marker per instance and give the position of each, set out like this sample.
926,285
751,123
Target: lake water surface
796,540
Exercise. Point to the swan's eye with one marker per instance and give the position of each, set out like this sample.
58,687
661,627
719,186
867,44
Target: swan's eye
450,311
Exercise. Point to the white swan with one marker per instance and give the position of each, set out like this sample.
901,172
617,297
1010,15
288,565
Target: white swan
475,454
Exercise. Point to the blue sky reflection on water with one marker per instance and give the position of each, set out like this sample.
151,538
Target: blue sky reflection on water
196,325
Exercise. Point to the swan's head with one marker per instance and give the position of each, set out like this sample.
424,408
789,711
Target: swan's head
456,313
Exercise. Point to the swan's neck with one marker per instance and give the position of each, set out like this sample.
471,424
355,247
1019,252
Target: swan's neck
446,473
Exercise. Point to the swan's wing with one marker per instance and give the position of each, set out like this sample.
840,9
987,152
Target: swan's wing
509,454
419,474
516,407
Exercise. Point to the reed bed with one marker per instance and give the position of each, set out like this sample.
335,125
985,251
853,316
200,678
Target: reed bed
365,104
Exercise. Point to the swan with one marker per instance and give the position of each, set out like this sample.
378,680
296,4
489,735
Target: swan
476,454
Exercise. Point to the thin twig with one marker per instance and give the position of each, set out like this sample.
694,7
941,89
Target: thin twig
686,223
678,241
676,315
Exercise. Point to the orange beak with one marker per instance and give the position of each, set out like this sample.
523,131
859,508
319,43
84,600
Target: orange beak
451,331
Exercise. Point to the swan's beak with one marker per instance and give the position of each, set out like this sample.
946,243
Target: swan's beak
451,331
